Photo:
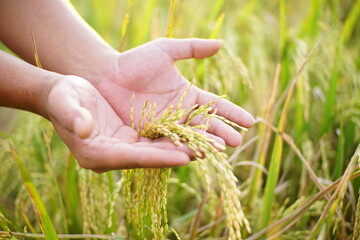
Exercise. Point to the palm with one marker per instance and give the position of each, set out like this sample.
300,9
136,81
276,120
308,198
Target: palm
106,143
148,72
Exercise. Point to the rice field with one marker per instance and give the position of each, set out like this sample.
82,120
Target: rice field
295,65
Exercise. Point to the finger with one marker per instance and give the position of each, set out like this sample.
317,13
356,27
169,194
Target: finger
69,113
226,109
219,140
164,143
220,130
189,48
125,156
83,123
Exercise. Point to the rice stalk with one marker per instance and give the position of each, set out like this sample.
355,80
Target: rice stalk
36,55
264,140
146,189
169,31
276,155
337,196
357,221
293,217
348,28
45,222
95,196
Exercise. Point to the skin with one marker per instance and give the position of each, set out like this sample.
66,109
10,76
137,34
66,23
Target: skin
93,116
83,118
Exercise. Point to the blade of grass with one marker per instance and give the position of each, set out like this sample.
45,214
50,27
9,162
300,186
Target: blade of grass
200,71
284,47
310,25
265,135
356,231
26,219
146,11
275,160
196,221
291,219
248,9
273,175
290,141
283,31
56,186
331,94
217,9
337,196
36,55
44,220
124,31
7,220
169,32
218,25
72,193
340,151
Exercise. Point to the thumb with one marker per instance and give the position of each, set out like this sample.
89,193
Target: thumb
83,123
179,49
68,112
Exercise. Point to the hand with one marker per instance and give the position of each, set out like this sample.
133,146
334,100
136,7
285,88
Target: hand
148,71
96,135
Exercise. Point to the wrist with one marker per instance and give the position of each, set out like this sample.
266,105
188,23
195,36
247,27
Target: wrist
24,86
42,82
96,66
50,82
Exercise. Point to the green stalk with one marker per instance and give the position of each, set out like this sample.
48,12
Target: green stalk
44,220
310,26
204,63
217,9
276,155
356,230
337,196
274,169
340,152
283,48
331,94
275,160
72,196
169,32
264,139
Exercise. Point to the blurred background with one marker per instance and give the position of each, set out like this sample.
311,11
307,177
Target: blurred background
294,150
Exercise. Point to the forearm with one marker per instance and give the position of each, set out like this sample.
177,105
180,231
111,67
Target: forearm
24,86
65,43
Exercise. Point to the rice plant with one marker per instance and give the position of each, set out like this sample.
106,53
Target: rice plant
149,196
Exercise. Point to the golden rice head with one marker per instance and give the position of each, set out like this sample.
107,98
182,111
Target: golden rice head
146,189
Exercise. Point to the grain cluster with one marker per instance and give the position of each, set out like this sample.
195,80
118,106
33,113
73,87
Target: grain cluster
146,189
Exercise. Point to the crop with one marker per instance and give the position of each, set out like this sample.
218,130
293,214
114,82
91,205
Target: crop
149,196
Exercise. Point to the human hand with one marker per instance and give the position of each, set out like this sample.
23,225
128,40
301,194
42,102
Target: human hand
148,71
96,135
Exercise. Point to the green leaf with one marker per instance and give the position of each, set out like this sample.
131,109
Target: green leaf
45,222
